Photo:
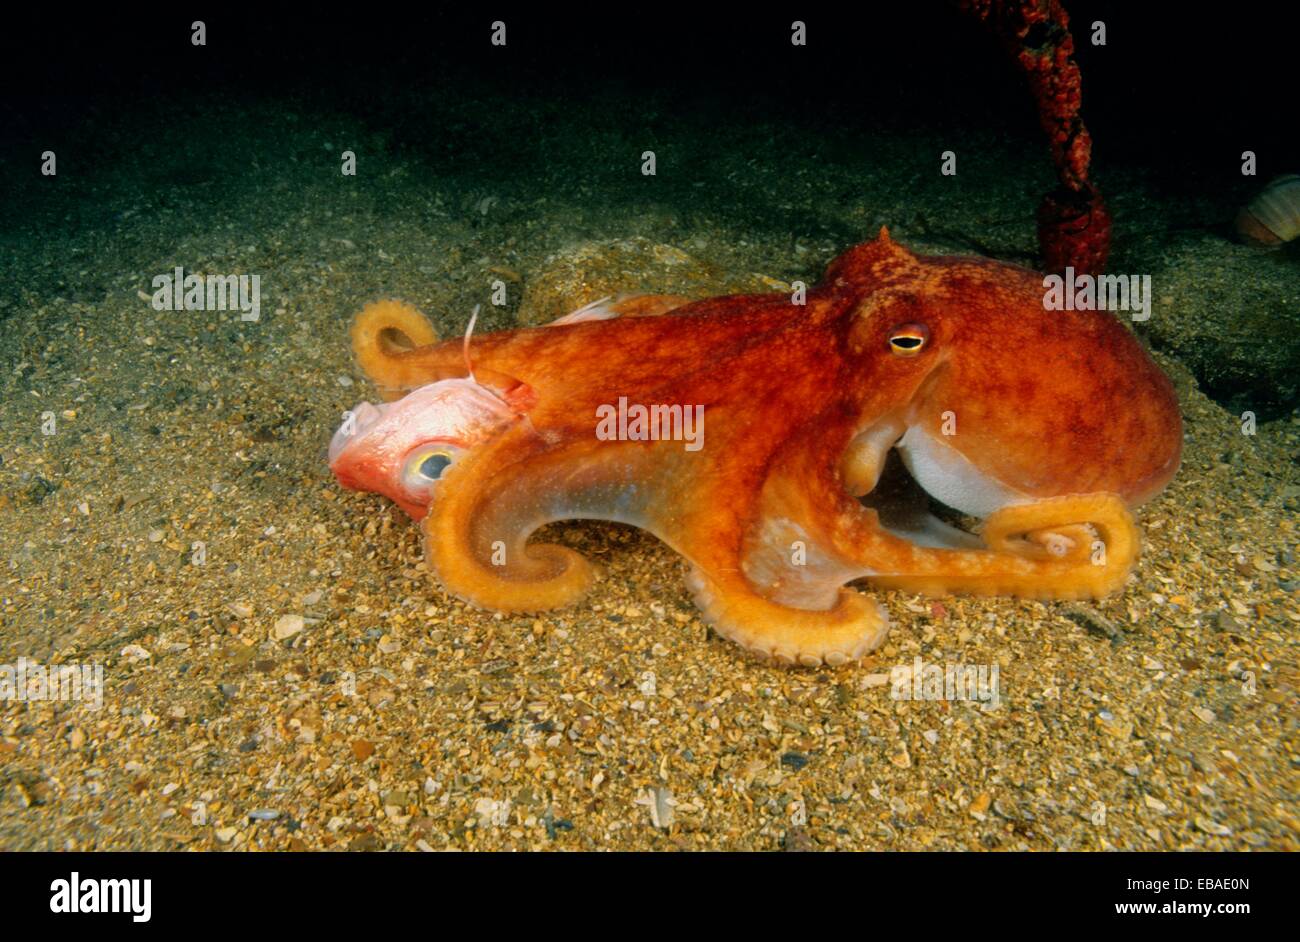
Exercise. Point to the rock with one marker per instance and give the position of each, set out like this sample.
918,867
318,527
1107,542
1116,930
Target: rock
1223,621
590,271
660,803
363,749
492,813
33,792
1113,725
286,626
794,760
1212,827
135,653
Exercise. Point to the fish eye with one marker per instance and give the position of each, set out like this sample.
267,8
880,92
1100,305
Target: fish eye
434,464
908,340
426,465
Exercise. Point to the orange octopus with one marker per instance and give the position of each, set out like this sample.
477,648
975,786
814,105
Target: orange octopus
1049,425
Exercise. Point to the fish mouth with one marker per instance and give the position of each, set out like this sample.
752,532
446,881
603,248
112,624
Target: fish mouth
363,417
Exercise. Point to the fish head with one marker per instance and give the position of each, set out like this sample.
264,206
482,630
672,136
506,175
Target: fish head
401,449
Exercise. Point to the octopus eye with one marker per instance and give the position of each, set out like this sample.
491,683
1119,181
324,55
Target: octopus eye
908,340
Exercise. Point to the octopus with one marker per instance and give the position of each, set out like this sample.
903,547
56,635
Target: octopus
850,434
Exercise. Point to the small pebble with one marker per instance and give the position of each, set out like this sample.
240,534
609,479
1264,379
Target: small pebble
794,760
1210,826
1223,621
286,626
134,652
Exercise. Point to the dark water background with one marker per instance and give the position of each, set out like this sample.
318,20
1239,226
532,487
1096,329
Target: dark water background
1172,91
733,111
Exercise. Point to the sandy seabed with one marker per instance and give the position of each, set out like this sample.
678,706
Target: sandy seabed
301,684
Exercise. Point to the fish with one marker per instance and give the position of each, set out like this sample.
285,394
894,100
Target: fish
402,448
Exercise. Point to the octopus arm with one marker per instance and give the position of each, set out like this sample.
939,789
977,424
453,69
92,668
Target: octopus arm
788,598
478,527
1069,547
635,350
